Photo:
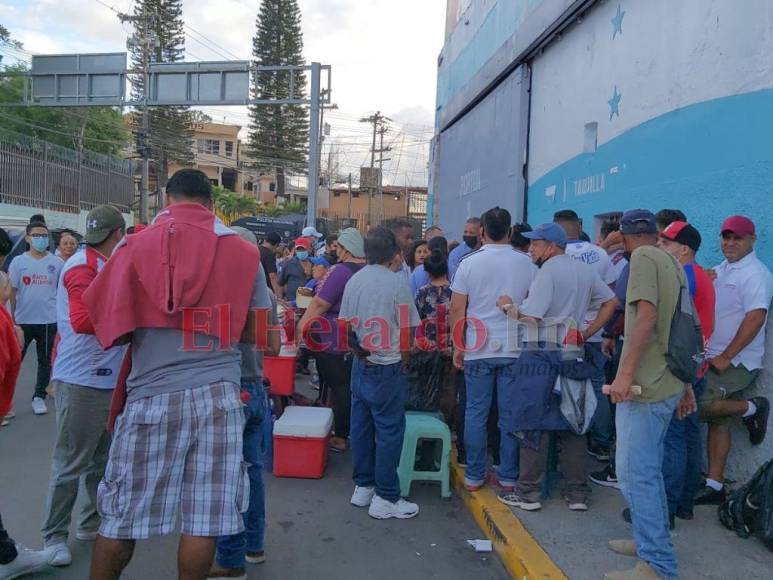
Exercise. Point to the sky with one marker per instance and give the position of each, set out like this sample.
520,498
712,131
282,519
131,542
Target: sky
383,55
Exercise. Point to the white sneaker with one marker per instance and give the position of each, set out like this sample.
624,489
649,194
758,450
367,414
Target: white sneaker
362,496
382,509
27,562
10,414
59,554
86,536
39,406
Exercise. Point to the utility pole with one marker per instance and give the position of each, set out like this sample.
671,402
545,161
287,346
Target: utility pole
350,196
381,150
314,145
379,124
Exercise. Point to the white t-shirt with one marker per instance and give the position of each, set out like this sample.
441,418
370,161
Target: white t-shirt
598,259
35,281
741,287
563,292
483,276
617,264
80,359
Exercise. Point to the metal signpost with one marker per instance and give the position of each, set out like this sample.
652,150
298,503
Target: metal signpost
99,80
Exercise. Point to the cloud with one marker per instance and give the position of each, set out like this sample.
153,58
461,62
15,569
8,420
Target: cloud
383,52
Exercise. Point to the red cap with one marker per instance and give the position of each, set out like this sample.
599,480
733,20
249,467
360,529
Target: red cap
739,225
303,242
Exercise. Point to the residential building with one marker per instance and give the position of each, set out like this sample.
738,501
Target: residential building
216,153
606,106
394,202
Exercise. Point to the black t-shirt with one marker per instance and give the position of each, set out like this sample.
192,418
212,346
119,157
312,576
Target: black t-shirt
268,261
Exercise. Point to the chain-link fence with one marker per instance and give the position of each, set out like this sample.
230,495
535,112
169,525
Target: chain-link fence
42,175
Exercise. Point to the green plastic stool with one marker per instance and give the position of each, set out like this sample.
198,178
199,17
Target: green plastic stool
424,426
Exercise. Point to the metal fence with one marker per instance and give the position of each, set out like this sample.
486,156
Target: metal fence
42,175
359,220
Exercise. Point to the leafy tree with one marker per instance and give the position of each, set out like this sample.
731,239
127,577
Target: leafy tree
231,205
99,129
278,134
158,30
274,210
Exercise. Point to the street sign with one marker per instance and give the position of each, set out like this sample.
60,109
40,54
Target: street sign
199,83
78,79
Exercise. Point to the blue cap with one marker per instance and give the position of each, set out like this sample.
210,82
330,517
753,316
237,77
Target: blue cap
319,261
549,232
638,221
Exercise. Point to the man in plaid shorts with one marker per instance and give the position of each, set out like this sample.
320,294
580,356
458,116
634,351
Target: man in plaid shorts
180,293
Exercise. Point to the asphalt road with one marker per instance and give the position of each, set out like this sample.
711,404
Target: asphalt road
312,532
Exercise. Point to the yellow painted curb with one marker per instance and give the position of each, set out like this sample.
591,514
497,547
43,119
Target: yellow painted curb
519,551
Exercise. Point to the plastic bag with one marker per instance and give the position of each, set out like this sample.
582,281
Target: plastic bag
427,372
578,402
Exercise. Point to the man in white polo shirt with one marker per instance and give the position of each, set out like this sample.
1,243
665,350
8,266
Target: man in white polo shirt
84,378
744,288
490,349
602,432
34,277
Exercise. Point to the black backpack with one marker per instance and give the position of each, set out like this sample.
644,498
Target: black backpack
749,509
685,342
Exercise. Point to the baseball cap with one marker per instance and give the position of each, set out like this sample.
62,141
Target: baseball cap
351,240
682,233
100,222
739,225
303,243
638,221
549,232
310,231
320,261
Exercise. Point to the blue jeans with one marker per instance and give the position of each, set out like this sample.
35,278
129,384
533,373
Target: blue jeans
602,427
682,459
379,394
641,432
231,549
481,378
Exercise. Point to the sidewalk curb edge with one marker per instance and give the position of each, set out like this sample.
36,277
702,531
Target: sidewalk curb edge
520,553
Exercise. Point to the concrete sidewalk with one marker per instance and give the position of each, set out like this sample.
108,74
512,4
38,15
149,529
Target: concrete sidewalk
577,542
313,531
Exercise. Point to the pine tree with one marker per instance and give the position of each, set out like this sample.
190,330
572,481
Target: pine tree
278,134
158,26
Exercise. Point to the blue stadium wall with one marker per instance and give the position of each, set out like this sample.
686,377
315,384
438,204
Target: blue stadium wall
629,103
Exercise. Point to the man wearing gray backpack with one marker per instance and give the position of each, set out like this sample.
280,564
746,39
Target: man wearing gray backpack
654,287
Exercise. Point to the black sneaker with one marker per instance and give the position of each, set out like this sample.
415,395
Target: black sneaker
606,477
684,514
599,452
757,424
710,496
627,517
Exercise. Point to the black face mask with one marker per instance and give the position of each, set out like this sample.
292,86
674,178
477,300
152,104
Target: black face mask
333,254
471,241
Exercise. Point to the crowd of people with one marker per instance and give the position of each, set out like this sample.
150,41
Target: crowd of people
162,414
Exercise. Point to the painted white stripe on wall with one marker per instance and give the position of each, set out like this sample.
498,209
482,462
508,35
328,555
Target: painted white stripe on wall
669,55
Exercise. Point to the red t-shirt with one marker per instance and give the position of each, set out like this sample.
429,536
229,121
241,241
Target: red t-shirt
702,292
